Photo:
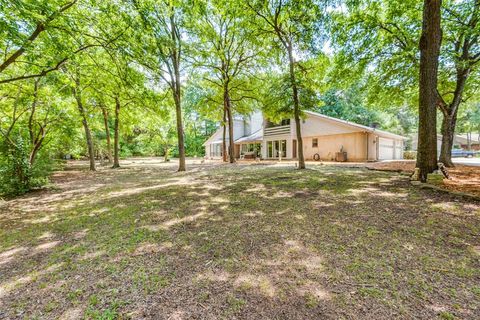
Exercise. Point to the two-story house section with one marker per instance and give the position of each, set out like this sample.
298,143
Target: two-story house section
323,137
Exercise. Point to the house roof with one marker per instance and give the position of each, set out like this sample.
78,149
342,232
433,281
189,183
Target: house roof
381,133
460,138
254,137
463,138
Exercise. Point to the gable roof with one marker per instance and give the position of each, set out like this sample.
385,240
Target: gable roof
214,136
381,133
256,136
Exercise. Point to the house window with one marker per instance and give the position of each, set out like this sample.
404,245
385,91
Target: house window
314,143
216,150
250,147
277,149
285,122
283,148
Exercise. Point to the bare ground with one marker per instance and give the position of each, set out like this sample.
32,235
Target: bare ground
462,178
244,241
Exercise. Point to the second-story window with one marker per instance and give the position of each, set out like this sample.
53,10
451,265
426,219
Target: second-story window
314,142
285,122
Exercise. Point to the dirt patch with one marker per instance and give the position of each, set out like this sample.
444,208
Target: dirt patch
462,178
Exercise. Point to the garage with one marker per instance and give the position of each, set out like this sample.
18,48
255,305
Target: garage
386,148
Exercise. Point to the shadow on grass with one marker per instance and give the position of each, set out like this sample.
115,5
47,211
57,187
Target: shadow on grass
240,241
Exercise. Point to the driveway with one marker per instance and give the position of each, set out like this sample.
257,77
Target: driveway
467,161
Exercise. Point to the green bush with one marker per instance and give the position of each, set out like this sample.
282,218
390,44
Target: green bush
17,176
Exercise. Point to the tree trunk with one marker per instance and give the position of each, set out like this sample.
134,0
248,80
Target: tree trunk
36,147
176,88
296,108
107,133
449,120
32,112
224,137
228,109
116,142
165,156
88,135
181,139
36,140
448,136
430,42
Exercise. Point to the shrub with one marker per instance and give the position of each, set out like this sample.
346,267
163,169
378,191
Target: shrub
409,155
17,176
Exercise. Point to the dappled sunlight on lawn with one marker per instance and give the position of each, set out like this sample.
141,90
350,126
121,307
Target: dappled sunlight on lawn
261,284
289,270
139,189
72,313
376,192
6,287
242,241
45,246
93,255
150,248
9,255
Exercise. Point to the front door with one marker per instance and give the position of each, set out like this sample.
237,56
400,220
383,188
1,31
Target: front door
277,149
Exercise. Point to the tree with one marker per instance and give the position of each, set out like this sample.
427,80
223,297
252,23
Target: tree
41,36
32,116
380,37
38,23
429,52
226,48
294,25
469,122
107,131
77,89
348,105
462,32
161,52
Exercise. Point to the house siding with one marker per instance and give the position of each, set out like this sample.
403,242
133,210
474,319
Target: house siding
355,144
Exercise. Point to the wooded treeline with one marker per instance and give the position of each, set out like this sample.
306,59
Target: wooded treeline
107,79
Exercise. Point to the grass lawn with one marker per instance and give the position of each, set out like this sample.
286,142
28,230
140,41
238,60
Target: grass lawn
244,241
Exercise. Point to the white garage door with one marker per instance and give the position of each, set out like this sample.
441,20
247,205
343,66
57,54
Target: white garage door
385,149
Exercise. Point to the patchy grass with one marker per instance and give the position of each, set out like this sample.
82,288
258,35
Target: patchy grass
241,241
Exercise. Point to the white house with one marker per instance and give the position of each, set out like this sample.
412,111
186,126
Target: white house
323,137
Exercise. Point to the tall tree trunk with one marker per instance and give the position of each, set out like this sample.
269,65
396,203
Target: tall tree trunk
430,42
88,135
181,138
450,112
36,140
107,133
224,136
296,108
176,87
116,137
31,125
228,109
